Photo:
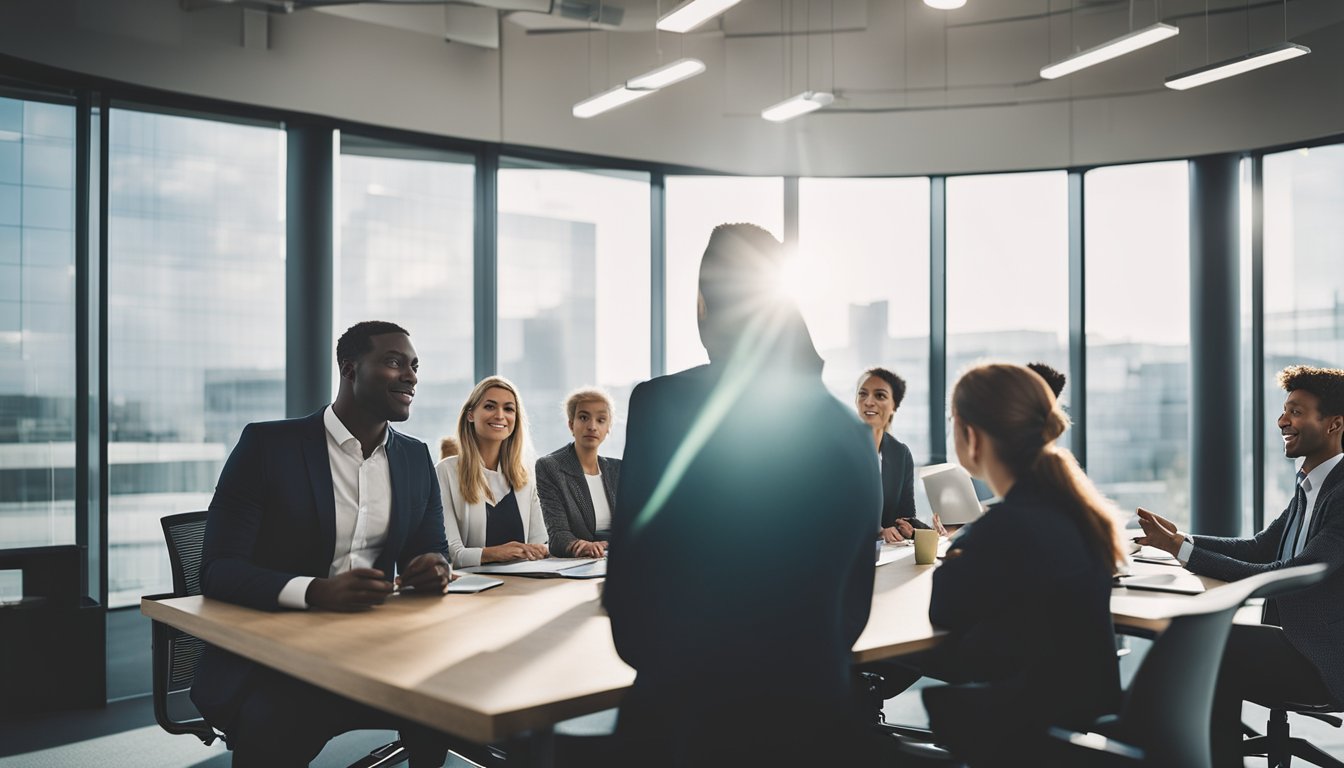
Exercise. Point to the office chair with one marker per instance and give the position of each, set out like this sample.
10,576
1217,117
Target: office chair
176,654
1165,717
1279,746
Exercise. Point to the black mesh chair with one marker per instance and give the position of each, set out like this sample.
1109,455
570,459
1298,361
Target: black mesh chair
176,653
1279,746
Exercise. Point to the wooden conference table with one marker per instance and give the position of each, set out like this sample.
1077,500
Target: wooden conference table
514,660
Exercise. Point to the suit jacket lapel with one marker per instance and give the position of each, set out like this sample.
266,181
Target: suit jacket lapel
396,521
891,475
1328,489
319,477
578,486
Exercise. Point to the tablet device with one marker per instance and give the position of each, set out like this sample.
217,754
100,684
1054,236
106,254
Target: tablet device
951,493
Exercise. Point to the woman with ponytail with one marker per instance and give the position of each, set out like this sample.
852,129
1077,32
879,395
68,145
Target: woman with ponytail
1025,591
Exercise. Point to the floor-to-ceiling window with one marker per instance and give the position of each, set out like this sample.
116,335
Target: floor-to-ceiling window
862,281
1304,285
1137,297
695,205
1007,271
405,254
37,326
196,319
573,290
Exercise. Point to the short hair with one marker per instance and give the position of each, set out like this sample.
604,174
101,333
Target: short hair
586,395
1053,378
896,383
448,447
740,264
358,338
1327,384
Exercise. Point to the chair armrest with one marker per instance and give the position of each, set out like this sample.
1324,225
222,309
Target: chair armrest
1095,749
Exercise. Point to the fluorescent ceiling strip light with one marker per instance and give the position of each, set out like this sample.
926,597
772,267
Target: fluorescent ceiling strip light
1110,50
690,15
596,105
807,101
945,5
666,75
1234,67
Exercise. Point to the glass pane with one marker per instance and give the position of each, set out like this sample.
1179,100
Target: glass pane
1008,272
573,292
196,320
695,205
1138,336
405,255
37,328
1304,286
864,277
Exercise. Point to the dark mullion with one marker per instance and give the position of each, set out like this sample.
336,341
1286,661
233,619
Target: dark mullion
1078,316
657,274
1257,415
486,264
937,319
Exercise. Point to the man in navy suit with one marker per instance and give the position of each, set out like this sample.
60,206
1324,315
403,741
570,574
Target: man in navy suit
316,513
741,567
1297,654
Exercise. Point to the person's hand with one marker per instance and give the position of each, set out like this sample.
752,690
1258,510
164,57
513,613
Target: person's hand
938,525
581,548
355,590
513,550
429,573
891,535
1159,532
904,528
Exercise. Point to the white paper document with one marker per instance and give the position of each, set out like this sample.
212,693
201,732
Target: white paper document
551,566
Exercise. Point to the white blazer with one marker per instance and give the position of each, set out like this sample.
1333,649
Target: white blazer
465,523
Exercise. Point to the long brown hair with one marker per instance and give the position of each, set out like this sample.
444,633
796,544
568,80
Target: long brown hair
1015,408
470,477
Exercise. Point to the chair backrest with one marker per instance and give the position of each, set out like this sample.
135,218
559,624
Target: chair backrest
185,534
1170,701
177,654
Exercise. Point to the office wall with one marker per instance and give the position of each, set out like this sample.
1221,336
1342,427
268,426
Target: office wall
900,111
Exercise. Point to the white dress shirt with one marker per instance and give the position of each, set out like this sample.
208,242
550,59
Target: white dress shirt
601,509
1311,487
362,489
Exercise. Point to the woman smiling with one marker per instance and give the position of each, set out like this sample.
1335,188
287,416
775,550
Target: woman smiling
491,511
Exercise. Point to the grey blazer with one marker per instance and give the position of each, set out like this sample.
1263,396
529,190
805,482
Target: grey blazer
1312,619
566,504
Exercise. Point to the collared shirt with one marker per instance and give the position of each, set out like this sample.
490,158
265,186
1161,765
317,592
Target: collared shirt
362,489
1311,487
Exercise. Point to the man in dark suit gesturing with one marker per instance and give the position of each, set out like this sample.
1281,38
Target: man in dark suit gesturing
317,512
741,566
1297,655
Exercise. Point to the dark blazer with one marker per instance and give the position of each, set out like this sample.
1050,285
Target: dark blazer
273,517
1029,614
1312,619
566,503
898,483
750,576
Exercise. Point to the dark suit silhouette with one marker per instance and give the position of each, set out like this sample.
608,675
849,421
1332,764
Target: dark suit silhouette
741,567
1027,606
273,518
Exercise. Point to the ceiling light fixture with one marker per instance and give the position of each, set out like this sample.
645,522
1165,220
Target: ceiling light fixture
638,87
1233,67
807,101
945,5
1110,50
607,100
690,15
666,75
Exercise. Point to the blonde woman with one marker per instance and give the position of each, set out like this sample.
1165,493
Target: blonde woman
577,487
490,507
